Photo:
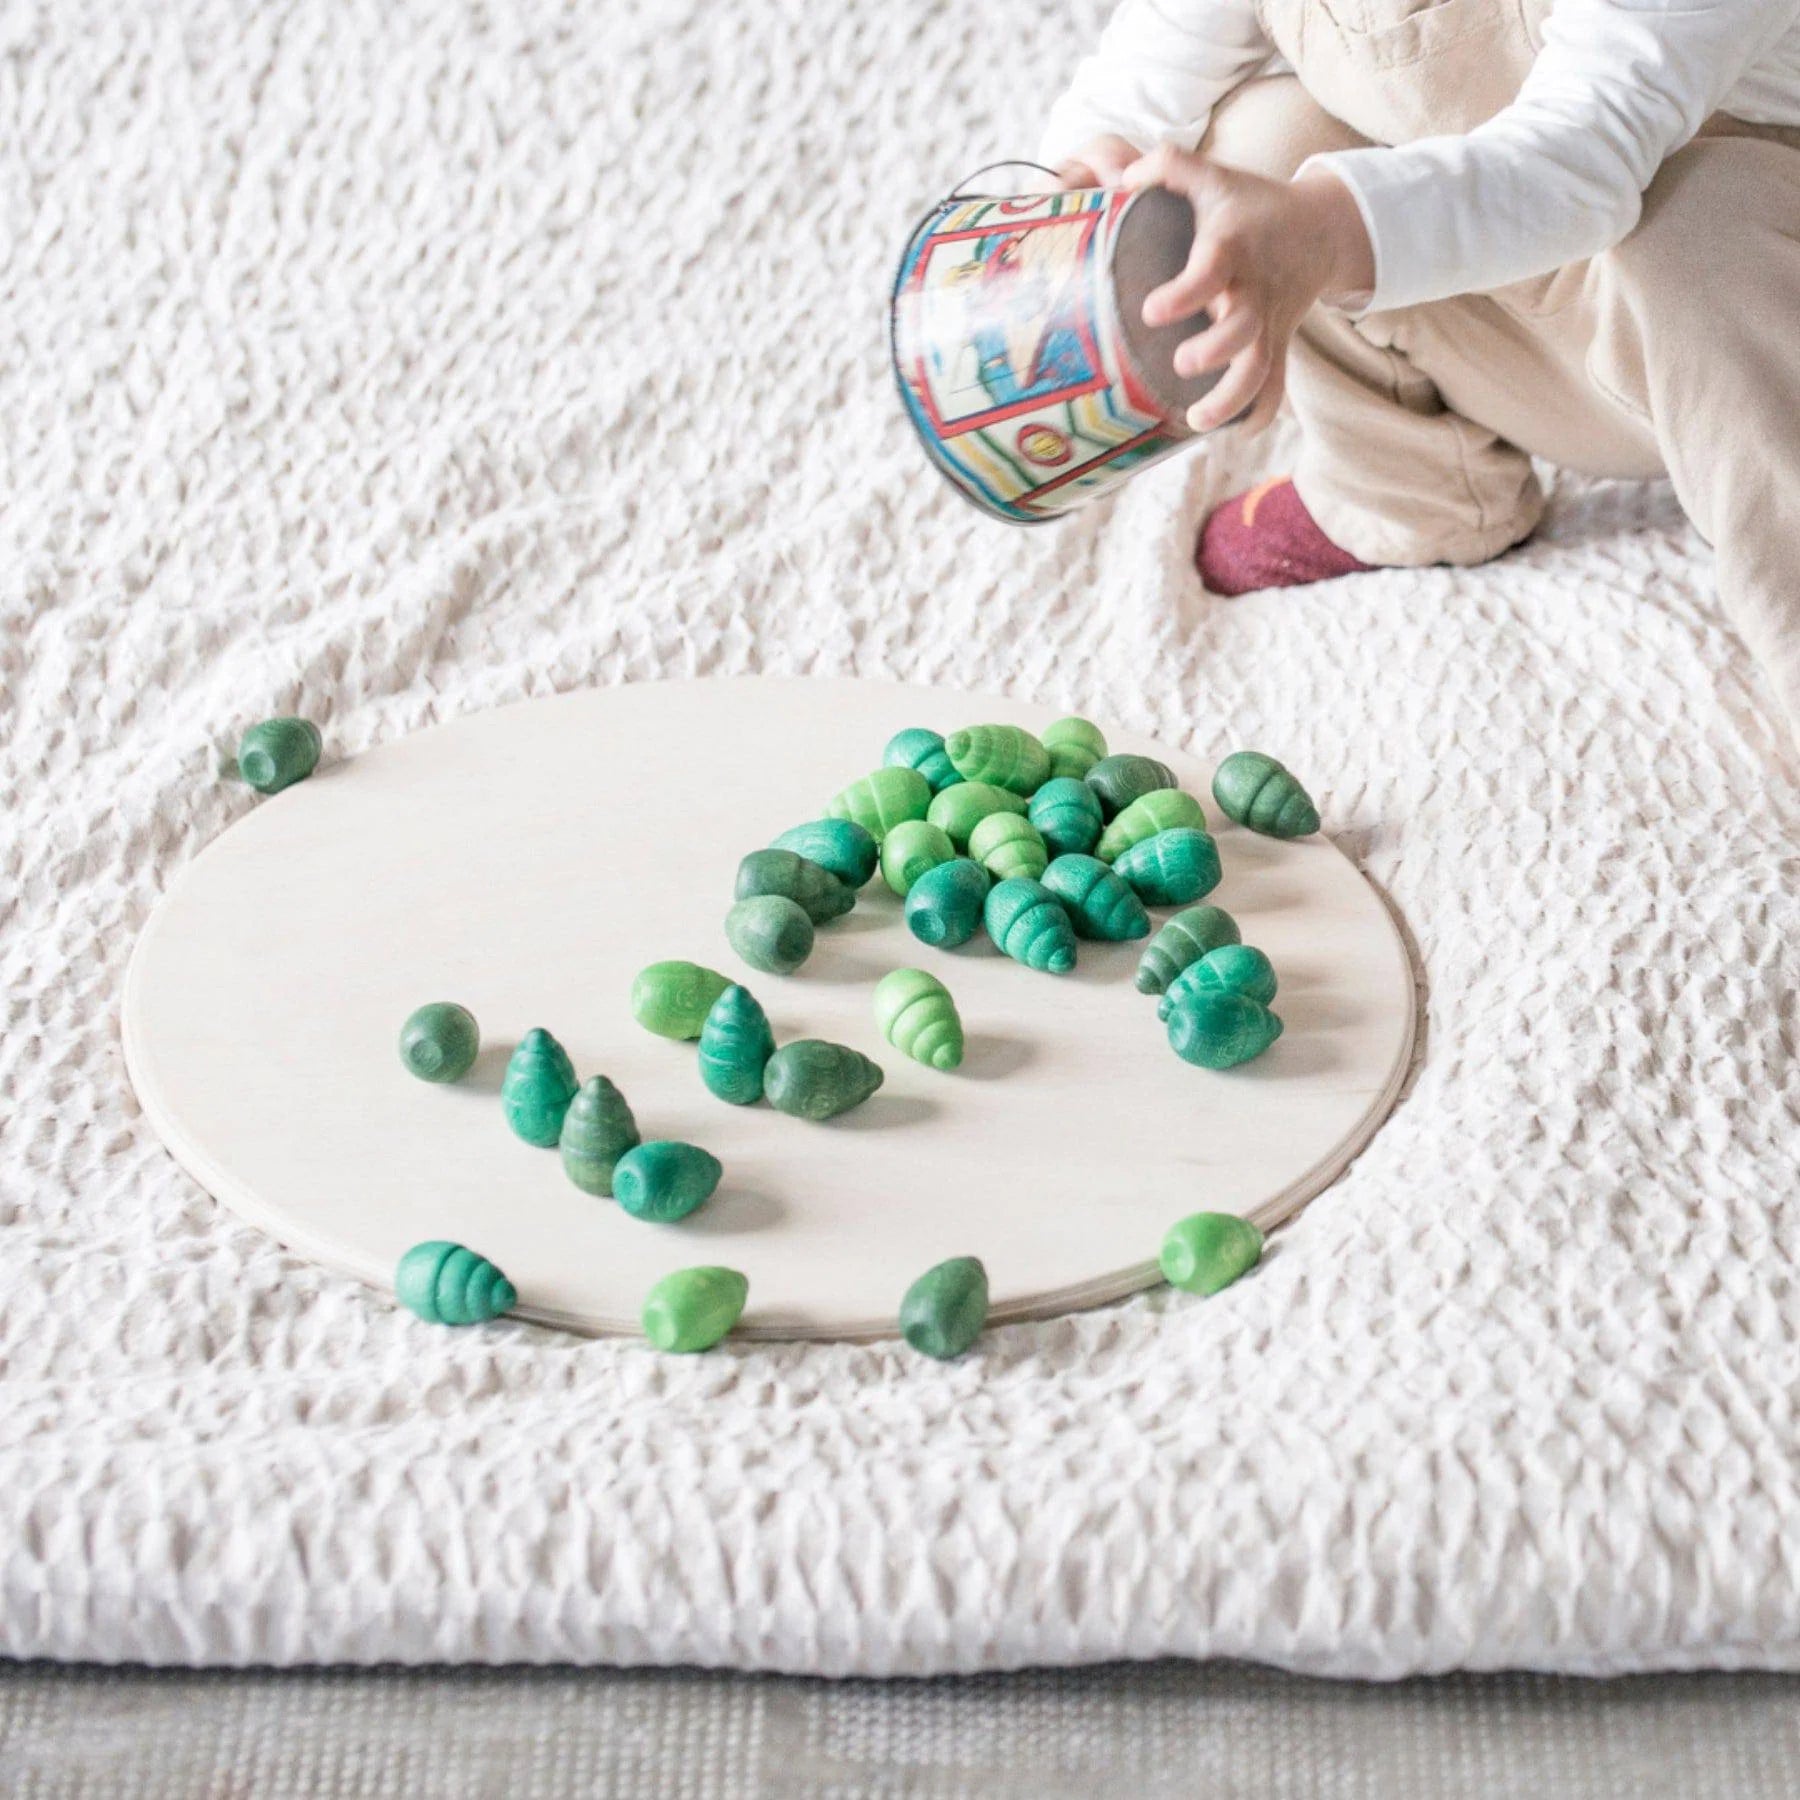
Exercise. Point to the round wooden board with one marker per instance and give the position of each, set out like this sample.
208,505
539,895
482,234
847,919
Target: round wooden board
527,862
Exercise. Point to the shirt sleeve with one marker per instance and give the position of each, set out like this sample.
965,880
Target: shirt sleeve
1559,175
1157,72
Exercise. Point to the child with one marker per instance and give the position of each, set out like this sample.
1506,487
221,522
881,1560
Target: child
1583,244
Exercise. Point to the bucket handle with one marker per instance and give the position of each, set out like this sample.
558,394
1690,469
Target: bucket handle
961,190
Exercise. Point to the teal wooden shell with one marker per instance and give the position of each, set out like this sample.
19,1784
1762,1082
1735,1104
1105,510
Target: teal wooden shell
812,1079
1075,745
943,906
1008,756
279,752
1257,791
597,1130
1171,868
1184,939
1218,1031
449,1284
944,1310
673,998
694,1308
440,1041
1209,1251
1028,923
1119,780
771,933
917,748
1099,903
1067,815
840,847
794,878
1009,847
882,800
735,1044
665,1180
1162,809
958,810
1231,969
536,1090
919,1018
909,850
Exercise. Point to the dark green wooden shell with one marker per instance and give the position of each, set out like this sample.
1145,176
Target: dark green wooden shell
538,1085
665,1180
1119,780
449,1284
1184,939
1009,847
1099,903
693,1309
880,801
919,1018
596,1131
794,878
944,1310
771,933
1028,923
1162,809
909,850
1257,791
812,1079
917,748
1209,1251
958,810
1008,756
840,847
440,1041
1231,969
943,906
673,998
1075,745
735,1044
1218,1031
1171,868
1066,813
279,752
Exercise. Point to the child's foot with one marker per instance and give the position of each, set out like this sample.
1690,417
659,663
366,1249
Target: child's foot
1267,539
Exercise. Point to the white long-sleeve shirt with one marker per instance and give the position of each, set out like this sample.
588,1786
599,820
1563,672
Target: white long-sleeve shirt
1557,176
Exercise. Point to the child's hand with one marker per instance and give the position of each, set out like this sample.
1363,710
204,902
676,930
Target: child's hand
1264,252
1098,163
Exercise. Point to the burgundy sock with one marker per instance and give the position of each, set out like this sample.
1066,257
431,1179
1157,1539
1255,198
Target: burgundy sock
1267,539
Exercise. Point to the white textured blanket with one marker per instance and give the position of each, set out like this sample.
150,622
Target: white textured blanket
384,362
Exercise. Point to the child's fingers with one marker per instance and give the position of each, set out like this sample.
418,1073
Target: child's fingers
1214,347
1202,280
1242,381
1268,401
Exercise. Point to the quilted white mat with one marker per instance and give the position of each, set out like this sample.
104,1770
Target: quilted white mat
385,362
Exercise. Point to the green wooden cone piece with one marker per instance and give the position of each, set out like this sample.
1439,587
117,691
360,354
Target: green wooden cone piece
596,1131
665,1180
1119,780
944,1310
1066,813
919,1018
943,907
812,1079
771,933
694,1308
440,1041
449,1284
1075,745
1260,793
278,752
917,748
537,1088
672,999
1184,939
816,890
840,847
1100,904
1208,1251
735,1045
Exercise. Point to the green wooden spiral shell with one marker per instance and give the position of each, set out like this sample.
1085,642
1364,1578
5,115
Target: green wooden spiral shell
1009,847
1184,939
919,1018
1208,1251
909,850
944,1310
1162,809
665,1180
278,752
1067,816
771,933
1099,903
440,1041
883,800
735,1045
536,1090
1075,745
1027,922
943,907
958,810
1257,791
917,748
694,1308
1119,780
1171,868
1218,1031
672,999
794,878
1231,969
840,847
812,1079
1008,756
450,1284
597,1130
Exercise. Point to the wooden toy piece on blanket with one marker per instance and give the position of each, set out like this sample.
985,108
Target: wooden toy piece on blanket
909,850
958,810
1066,813
537,1088
440,1041
1075,745
1184,939
1119,780
1008,756
919,1018
771,933
665,1180
883,800
794,878
1231,969
735,1046
1162,809
917,748
943,907
278,752
811,1079
840,847
1258,792
1028,923
597,1130
944,1310
693,1309
449,1284
673,998
1219,1031
1009,847
1209,1251
1171,868
1100,904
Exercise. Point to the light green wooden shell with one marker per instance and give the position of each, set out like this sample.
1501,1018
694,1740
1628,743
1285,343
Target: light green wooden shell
1075,745
1119,780
1066,813
1184,939
943,906
1099,903
1231,969
1257,791
1006,755
944,1310
1028,923
1009,847
1171,868
450,1284
794,878
1209,1251
917,748
735,1045
918,1017
771,933
279,752
840,847
812,1079
536,1090
909,850
882,800
596,1131
1218,1031
440,1041
1162,809
673,998
694,1308
958,810
665,1180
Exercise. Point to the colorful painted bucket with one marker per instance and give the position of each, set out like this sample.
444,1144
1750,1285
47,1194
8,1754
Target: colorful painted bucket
1020,348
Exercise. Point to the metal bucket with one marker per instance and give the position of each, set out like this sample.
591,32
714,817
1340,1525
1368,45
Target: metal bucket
1020,349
